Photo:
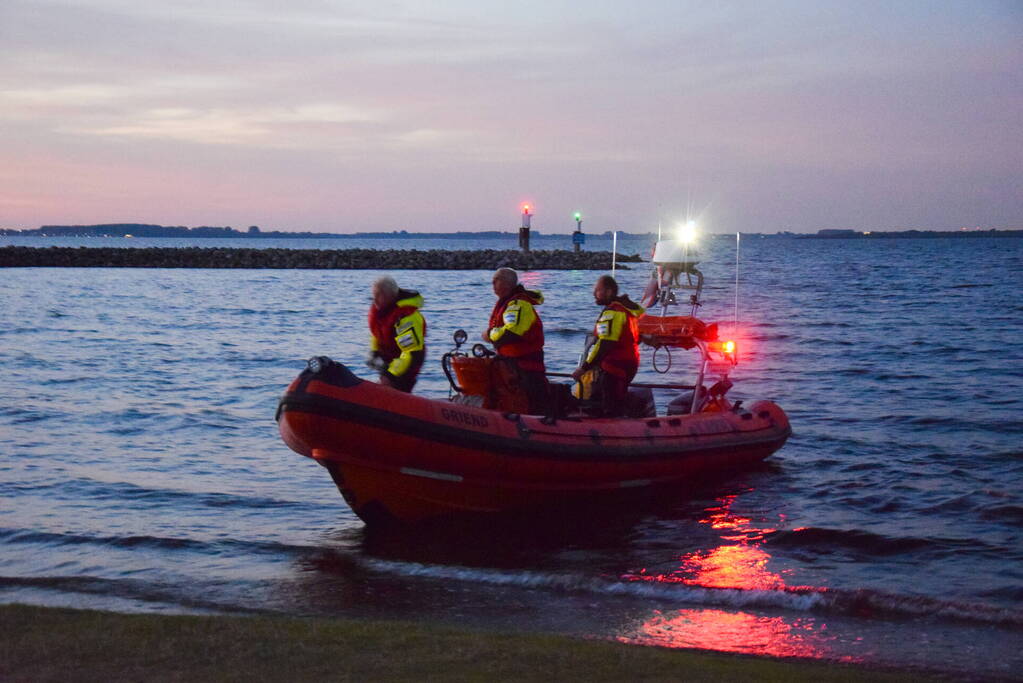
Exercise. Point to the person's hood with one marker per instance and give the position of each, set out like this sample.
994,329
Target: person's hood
629,305
409,297
406,298
533,296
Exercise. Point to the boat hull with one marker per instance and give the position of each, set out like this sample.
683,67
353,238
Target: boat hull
405,458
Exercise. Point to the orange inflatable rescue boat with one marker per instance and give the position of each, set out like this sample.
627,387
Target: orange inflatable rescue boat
399,457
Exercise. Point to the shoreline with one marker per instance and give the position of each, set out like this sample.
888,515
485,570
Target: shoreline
314,259
52,643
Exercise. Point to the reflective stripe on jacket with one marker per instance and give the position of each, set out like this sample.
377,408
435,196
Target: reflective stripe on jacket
516,330
398,333
616,349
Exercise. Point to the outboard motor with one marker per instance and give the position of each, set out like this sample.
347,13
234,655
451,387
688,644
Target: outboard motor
683,403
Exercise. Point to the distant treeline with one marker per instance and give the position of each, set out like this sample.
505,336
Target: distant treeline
136,230
908,234
146,230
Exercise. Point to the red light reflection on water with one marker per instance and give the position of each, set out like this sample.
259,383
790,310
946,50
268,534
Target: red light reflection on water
532,279
712,629
739,563
732,566
743,565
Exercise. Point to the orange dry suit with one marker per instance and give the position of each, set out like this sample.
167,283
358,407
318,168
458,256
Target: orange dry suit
398,338
616,349
615,352
517,333
516,330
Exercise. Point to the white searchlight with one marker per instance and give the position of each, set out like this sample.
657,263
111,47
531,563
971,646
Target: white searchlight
680,253
686,232
675,261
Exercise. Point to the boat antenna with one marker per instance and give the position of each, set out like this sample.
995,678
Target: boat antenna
689,196
737,279
614,250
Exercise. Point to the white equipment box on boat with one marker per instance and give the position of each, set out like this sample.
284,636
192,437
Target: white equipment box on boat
671,252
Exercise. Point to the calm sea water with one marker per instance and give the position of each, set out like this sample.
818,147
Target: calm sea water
140,466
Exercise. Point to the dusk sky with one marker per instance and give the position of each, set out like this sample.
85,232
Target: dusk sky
333,116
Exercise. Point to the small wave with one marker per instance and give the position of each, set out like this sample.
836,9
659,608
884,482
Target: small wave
827,324
563,331
860,467
15,411
1004,513
21,416
999,426
969,286
133,421
122,492
860,603
961,503
126,589
888,376
924,419
66,380
1008,593
997,401
1007,455
851,372
235,311
824,540
628,585
16,536
868,603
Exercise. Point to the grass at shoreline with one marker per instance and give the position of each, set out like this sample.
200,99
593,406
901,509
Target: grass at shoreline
41,643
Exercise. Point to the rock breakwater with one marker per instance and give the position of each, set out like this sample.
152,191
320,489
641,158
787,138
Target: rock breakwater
344,259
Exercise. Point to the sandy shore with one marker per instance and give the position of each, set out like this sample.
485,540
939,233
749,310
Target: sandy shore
44,644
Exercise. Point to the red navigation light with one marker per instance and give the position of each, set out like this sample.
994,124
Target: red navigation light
728,349
525,208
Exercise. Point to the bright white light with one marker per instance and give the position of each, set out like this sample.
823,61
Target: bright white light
686,232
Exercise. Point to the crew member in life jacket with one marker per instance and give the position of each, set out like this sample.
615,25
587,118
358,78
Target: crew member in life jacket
613,359
397,333
516,332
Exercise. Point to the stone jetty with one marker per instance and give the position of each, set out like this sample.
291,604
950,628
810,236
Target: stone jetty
329,259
